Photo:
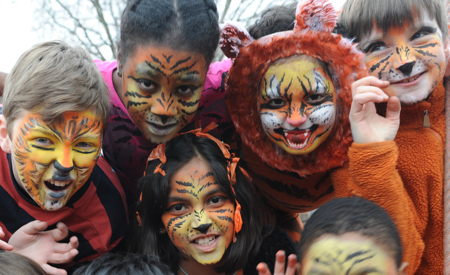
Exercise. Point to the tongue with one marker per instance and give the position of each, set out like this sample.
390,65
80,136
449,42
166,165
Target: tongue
297,136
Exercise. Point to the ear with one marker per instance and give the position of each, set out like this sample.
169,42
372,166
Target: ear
232,38
5,142
315,15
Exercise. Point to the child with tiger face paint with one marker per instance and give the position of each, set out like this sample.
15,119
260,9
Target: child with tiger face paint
398,119
54,108
157,84
197,211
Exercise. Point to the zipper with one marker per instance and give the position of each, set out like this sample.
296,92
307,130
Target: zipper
426,119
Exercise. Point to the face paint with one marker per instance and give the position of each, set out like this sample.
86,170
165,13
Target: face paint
161,90
53,161
199,215
410,57
297,104
347,254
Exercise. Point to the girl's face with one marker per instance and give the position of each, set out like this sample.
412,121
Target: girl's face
199,215
161,89
350,254
297,104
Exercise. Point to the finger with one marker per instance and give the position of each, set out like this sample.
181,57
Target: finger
34,227
280,258
5,246
263,269
62,247
74,242
51,270
292,264
393,108
370,81
370,89
62,258
361,100
60,232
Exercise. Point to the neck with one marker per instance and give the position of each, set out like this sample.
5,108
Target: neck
191,267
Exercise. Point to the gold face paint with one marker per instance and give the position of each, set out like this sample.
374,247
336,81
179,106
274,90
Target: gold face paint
199,215
410,57
161,90
297,104
53,161
347,254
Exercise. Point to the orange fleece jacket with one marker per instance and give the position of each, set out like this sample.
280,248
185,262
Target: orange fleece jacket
406,177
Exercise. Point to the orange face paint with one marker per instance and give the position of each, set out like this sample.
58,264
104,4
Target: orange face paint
161,89
410,57
52,161
199,215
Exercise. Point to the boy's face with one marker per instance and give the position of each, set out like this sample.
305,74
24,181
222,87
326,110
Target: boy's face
297,104
161,89
410,57
53,161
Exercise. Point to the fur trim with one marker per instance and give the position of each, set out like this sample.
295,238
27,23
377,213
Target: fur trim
315,15
233,37
345,64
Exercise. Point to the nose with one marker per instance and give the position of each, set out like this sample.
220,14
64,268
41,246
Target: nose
61,172
406,68
296,118
164,106
163,118
203,228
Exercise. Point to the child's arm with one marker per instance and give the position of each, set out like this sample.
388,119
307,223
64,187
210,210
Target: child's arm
279,269
372,171
43,246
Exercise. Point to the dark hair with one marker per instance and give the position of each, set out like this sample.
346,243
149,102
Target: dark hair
358,16
155,190
274,19
357,215
124,264
13,263
186,24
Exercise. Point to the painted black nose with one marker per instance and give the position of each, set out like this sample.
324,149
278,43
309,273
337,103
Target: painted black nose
164,118
62,173
203,228
406,69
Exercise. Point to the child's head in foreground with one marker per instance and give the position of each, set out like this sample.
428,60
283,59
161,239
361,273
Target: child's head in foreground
13,263
190,208
54,108
164,52
403,40
124,264
350,236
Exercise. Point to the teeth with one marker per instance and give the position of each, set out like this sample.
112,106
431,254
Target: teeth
296,145
205,241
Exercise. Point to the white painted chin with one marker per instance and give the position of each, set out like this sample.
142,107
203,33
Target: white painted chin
416,93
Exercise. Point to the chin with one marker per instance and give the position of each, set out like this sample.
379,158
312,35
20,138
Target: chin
161,139
415,94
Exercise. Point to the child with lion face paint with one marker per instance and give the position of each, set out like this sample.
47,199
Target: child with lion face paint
54,108
197,212
294,97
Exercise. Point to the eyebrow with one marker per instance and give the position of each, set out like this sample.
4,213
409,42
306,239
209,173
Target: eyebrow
190,77
215,190
148,68
175,198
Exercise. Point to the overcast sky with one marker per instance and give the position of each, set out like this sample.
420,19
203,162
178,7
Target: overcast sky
16,30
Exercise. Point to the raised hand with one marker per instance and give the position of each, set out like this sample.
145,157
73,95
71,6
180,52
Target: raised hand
279,269
42,246
368,126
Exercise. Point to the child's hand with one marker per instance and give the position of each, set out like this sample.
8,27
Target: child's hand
367,126
280,257
42,246
4,245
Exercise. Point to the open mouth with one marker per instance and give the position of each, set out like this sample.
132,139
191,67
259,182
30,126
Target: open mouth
298,138
409,79
56,185
206,243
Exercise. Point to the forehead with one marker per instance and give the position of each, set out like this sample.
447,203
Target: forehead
297,64
164,55
408,28
196,171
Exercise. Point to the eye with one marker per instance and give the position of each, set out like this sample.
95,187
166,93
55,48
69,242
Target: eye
146,84
185,90
375,46
86,145
177,208
217,201
315,98
423,32
42,141
276,103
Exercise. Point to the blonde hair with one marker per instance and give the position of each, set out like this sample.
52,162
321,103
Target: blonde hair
358,16
52,78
